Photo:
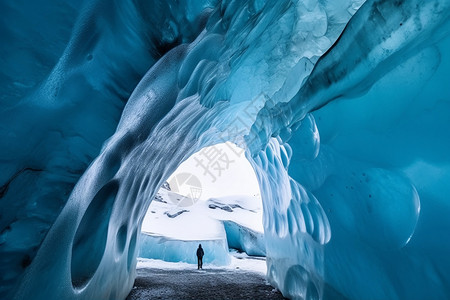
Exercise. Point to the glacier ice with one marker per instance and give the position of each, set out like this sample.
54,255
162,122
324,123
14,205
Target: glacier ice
245,239
342,107
172,250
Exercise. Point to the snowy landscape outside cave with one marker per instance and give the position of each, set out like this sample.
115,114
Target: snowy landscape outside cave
212,199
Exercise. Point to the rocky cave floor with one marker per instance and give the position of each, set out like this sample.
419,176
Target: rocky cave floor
156,283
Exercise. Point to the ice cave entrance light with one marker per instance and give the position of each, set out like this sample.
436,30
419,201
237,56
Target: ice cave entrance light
218,170
213,198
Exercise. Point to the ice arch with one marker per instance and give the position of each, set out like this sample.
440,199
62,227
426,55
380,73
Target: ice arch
251,75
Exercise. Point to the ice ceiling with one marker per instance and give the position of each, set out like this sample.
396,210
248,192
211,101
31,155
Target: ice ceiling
342,107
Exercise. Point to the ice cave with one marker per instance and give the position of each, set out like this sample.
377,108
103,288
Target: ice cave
342,108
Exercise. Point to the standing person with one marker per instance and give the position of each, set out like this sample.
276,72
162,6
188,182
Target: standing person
200,254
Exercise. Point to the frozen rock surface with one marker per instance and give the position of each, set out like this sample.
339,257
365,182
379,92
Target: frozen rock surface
342,107
244,278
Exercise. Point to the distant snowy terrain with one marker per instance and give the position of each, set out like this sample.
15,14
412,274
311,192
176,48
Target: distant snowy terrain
172,230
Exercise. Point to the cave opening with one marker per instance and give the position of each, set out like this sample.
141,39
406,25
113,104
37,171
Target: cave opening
213,199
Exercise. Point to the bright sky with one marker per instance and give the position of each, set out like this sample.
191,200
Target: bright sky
222,170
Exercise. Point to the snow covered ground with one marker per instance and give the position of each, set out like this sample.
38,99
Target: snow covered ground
239,261
174,226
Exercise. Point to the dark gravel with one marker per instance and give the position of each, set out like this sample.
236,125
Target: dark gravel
152,283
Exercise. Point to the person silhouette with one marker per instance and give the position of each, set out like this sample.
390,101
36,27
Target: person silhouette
200,254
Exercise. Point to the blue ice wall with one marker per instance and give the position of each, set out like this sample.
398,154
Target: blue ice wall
386,188
67,71
342,108
173,250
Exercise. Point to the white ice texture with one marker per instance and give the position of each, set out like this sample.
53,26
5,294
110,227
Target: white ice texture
342,107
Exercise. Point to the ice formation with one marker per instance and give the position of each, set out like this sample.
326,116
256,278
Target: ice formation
358,212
